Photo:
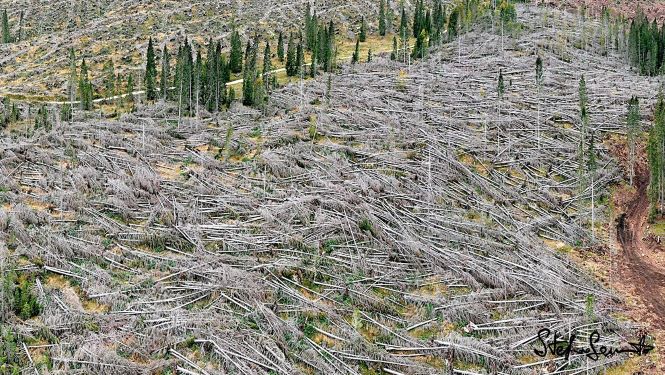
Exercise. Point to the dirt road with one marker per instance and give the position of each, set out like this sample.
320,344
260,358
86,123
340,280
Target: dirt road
648,279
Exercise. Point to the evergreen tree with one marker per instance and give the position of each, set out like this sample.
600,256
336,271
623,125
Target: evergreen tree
369,55
382,18
427,25
363,30
453,23
235,58
166,72
300,58
291,57
267,66
356,54
418,19
6,37
420,48
393,54
150,72
250,76
280,47
539,71
85,88
582,93
330,50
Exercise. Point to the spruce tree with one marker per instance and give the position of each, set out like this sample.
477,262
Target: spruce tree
6,37
356,54
420,48
267,66
363,30
417,19
330,50
300,58
166,72
85,88
393,54
369,55
291,57
582,93
382,18
235,57
150,73
250,76
280,47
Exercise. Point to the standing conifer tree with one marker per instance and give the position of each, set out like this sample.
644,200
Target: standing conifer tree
291,57
166,72
300,58
393,54
280,47
363,30
356,54
420,48
6,37
267,67
150,72
85,88
250,76
235,57
330,49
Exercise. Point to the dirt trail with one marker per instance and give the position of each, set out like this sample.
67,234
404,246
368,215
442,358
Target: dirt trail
648,279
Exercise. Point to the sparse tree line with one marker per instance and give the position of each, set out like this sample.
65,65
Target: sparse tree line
200,76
